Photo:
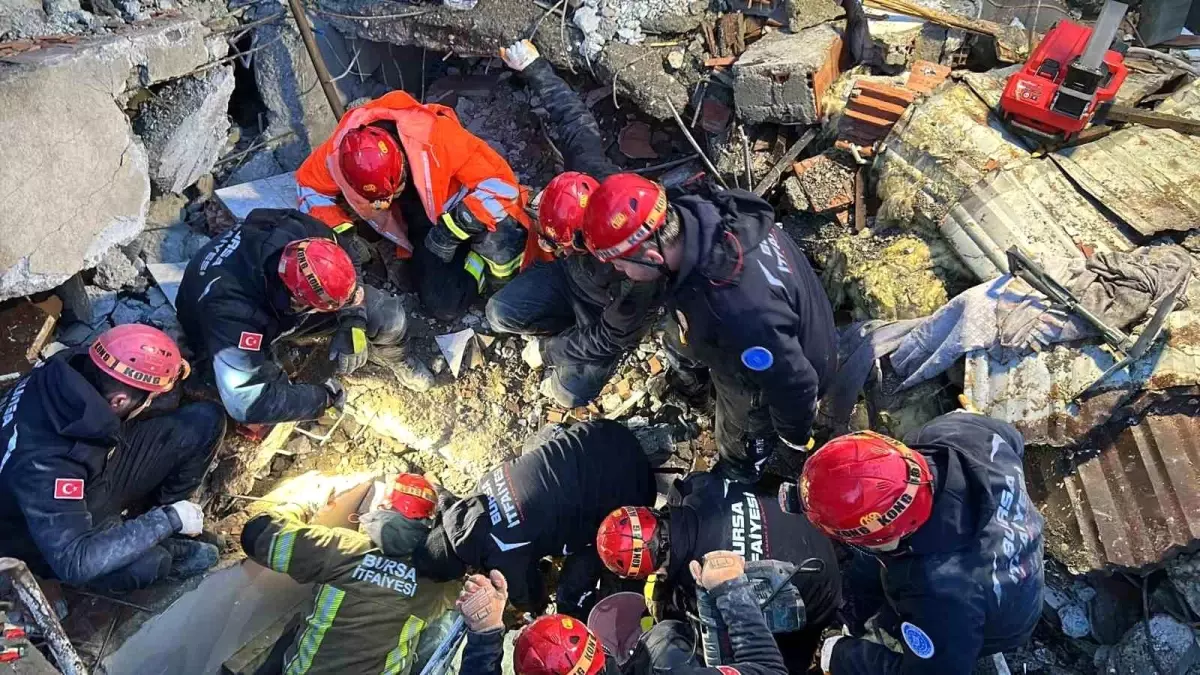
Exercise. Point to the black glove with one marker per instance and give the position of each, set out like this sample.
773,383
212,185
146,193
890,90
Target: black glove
337,396
349,344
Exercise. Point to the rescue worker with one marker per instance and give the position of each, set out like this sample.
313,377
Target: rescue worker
706,513
547,502
76,451
440,194
742,301
949,545
583,313
561,645
279,276
370,608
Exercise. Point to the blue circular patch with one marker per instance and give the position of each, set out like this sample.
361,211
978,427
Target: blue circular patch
917,640
758,358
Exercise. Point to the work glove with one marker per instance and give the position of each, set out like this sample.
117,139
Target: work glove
532,354
519,55
827,653
718,567
191,518
337,396
349,344
482,601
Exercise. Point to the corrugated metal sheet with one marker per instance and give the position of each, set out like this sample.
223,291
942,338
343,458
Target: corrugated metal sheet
1030,204
1034,393
1150,178
1129,505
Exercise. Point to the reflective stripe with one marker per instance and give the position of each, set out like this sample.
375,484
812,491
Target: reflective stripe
500,188
325,608
493,206
502,270
311,199
474,265
400,658
281,550
343,228
454,228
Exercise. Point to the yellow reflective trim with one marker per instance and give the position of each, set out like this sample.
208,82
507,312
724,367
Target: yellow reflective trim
474,266
399,659
507,269
343,228
454,228
359,339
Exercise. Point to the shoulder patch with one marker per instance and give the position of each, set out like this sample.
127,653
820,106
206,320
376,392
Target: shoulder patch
251,342
758,359
68,488
917,640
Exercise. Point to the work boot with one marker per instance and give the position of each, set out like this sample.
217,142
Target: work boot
189,557
412,374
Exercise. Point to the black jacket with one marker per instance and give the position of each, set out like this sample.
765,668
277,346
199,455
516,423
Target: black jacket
743,287
547,502
710,514
754,650
56,434
969,582
233,307
626,308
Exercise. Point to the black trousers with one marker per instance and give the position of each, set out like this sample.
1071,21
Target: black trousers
159,461
745,434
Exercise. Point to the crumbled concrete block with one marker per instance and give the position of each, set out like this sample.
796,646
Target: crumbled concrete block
115,271
76,178
782,77
129,310
185,127
1174,644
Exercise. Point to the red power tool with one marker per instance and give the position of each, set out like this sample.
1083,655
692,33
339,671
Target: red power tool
1068,77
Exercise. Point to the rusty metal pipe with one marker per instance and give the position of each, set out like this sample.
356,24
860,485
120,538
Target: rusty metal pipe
36,604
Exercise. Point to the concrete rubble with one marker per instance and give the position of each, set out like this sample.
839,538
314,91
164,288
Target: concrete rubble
893,171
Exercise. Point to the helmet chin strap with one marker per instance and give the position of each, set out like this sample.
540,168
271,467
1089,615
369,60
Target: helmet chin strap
661,267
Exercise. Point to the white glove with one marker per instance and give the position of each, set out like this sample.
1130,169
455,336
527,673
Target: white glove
532,354
827,652
190,516
519,55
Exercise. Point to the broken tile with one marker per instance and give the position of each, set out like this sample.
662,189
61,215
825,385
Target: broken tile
623,389
828,184
926,76
656,366
555,416
454,347
634,141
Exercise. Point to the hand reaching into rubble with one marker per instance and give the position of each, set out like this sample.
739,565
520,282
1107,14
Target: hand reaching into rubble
337,395
519,55
482,601
191,517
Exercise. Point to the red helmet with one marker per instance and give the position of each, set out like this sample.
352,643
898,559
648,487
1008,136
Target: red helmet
372,163
140,356
558,645
626,542
866,489
318,273
413,496
622,213
564,201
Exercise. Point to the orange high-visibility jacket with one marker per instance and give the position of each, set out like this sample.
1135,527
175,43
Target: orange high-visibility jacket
449,165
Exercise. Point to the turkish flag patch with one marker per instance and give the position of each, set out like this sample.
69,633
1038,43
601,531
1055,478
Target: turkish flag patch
68,488
729,670
251,342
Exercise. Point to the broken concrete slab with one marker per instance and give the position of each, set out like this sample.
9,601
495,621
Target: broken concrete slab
276,192
1174,645
288,85
115,271
185,127
168,276
91,180
782,77
804,14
